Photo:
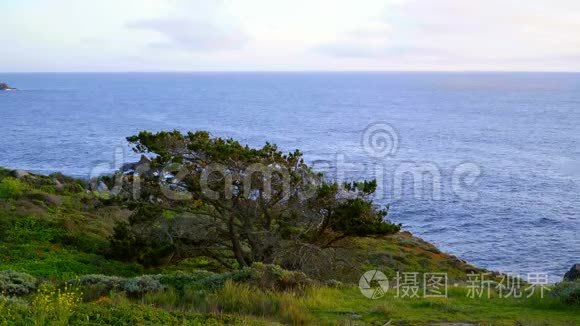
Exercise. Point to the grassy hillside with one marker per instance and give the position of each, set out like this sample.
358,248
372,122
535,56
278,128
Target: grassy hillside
54,239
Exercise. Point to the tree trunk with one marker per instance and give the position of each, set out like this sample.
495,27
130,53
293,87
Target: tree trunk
236,246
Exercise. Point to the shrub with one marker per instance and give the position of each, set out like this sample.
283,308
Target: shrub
217,281
4,173
568,292
138,286
179,280
96,285
16,283
262,276
11,188
105,281
55,306
84,242
12,309
274,277
68,185
28,229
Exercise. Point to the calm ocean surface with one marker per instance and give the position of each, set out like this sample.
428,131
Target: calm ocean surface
521,130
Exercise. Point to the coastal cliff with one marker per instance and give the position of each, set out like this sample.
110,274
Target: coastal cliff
55,229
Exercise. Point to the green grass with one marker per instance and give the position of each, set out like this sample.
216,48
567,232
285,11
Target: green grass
54,308
11,188
56,262
243,303
330,304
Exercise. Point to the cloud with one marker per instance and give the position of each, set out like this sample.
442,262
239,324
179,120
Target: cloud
194,35
195,25
364,42
253,35
465,32
379,42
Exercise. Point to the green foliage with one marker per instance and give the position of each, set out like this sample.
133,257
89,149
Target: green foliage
179,280
53,305
246,299
217,281
88,243
51,311
27,229
16,283
11,188
138,286
124,312
568,293
273,277
105,281
358,217
247,204
142,245
263,276
5,173
135,286
51,261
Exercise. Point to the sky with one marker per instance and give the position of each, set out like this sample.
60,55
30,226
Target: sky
289,35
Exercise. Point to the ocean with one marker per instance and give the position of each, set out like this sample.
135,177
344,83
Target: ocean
484,165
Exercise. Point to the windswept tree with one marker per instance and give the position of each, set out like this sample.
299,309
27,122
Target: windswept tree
214,197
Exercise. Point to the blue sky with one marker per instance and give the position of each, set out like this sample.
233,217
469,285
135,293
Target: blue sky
284,35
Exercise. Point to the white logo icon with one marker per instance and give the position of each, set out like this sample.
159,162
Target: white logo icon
373,284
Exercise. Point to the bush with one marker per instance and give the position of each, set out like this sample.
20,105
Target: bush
138,286
135,286
217,281
84,242
11,188
262,276
16,283
52,306
568,292
97,286
274,277
28,229
179,280
104,281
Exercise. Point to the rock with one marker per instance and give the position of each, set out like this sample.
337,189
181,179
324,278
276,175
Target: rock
5,87
21,174
101,186
57,185
573,274
128,167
